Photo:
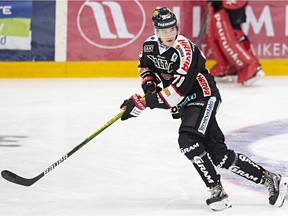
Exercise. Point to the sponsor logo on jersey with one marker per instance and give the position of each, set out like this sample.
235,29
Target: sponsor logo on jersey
167,92
166,76
188,53
224,41
200,163
196,104
204,85
181,52
161,63
158,62
148,48
188,99
237,170
174,57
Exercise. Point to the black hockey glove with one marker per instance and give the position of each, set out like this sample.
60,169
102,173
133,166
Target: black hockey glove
149,83
132,106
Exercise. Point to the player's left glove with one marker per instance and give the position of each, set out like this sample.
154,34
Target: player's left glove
150,82
133,107
149,85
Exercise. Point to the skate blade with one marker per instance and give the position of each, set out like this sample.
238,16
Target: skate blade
283,192
220,205
260,74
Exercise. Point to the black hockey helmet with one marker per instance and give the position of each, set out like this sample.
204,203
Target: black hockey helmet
164,18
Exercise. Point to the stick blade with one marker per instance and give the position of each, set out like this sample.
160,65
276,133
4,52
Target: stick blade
12,177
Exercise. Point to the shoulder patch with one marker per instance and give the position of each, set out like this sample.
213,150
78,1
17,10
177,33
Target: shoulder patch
148,48
174,57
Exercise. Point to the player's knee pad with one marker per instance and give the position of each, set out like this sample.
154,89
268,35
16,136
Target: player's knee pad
224,158
190,145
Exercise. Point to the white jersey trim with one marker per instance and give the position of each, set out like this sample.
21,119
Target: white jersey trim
170,96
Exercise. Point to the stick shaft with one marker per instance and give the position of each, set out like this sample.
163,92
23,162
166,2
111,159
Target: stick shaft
12,177
88,139
202,32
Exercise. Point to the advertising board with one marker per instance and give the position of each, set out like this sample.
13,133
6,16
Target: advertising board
115,30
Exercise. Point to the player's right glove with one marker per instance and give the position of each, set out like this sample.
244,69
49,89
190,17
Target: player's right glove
132,106
149,83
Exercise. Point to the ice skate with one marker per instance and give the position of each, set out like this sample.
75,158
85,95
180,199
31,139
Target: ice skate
259,75
277,187
226,79
219,198
223,74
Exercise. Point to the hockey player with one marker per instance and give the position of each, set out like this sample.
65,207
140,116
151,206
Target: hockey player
230,46
173,61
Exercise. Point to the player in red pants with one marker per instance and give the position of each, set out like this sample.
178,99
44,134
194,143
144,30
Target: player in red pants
230,46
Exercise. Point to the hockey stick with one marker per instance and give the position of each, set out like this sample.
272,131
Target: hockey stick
14,178
202,32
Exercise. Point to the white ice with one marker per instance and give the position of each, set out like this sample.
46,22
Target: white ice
133,168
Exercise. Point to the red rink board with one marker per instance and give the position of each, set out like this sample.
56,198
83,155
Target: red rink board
115,30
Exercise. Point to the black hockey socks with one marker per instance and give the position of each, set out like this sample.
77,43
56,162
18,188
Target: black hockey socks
245,167
193,148
206,169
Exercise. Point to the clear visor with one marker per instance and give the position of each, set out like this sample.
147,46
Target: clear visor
167,32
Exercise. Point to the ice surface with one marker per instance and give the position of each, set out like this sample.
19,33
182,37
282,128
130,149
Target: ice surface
134,168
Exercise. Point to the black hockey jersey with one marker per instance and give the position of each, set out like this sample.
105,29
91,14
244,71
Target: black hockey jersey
181,69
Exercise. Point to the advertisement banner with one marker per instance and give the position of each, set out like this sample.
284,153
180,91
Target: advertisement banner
115,30
15,25
267,28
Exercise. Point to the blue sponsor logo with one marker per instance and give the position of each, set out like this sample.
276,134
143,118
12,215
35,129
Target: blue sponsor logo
15,9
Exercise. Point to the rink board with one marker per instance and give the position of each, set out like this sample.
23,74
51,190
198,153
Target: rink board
102,69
